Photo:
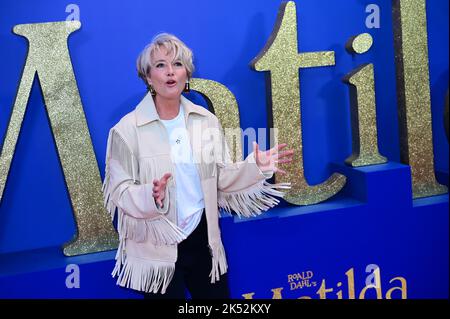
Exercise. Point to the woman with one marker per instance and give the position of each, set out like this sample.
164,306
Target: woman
167,189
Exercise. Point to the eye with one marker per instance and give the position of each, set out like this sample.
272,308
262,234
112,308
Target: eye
178,63
159,65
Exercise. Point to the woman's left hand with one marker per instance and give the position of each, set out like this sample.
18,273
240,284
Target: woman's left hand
269,160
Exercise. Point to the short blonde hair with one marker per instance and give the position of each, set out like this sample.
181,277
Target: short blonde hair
172,44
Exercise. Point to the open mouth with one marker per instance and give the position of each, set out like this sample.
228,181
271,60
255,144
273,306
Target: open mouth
171,82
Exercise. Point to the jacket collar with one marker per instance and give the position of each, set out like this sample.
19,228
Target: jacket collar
146,110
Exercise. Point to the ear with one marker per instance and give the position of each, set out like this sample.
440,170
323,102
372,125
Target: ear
149,80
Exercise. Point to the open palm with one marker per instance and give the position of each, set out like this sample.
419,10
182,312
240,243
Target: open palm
269,160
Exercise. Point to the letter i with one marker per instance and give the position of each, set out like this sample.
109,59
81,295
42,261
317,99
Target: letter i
361,82
339,293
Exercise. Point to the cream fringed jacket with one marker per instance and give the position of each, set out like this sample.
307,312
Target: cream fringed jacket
138,152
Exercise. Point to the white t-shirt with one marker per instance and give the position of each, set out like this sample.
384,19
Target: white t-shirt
190,202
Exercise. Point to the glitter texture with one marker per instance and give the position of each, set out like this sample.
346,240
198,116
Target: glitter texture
281,58
363,117
223,104
359,44
413,91
48,55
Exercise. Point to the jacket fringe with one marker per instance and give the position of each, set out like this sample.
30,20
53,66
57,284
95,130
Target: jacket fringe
219,262
120,256
254,200
159,230
117,149
145,275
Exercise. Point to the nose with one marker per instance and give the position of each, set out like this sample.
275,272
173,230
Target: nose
170,70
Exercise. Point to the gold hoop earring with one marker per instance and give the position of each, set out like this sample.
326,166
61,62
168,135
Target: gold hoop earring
151,90
187,87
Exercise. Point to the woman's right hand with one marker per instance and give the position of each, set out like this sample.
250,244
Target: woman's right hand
159,189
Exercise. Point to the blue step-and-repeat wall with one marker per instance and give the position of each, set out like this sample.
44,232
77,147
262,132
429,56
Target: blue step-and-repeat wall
372,239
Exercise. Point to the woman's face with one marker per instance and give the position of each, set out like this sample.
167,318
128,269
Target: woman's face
167,76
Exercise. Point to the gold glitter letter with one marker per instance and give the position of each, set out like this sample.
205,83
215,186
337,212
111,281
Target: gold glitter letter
277,293
363,117
248,296
49,56
403,288
413,91
281,58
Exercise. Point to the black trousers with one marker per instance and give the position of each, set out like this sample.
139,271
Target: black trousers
192,270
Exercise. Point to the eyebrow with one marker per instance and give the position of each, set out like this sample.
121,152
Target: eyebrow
174,60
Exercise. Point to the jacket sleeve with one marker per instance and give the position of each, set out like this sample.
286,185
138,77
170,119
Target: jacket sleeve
133,198
242,186
139,217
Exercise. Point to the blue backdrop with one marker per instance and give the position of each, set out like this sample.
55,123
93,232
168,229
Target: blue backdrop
372,221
